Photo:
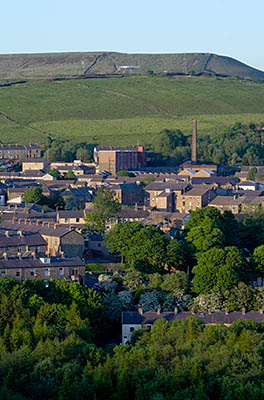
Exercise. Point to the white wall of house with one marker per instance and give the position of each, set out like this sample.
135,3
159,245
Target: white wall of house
127,330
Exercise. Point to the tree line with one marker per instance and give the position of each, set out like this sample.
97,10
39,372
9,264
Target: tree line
240,144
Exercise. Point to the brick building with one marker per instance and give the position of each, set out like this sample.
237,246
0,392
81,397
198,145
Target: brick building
119,158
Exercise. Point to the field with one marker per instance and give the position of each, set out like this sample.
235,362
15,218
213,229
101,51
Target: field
125,111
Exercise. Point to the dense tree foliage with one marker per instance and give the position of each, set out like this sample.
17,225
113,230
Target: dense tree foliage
239,144
59,150
47,352
105,208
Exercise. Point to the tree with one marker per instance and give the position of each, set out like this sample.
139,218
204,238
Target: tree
149,301
169,140
55,172
205,216
118,237
205,271
133,280
174,282
175,255
147,249
204,237
105,208
68,152
33,195
125,173
83,154
251,176
71,204
226,278
69,175
258,258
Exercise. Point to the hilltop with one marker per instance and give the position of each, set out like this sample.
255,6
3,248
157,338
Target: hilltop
28,66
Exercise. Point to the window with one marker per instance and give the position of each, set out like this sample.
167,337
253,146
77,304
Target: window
3,273
47,272
20,249
77,219
17,273
148,327
6,250
61,271
132,329
32,273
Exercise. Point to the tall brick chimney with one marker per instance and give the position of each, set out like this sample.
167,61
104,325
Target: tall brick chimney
194,141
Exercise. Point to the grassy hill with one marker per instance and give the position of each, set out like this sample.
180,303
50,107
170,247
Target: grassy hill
125,111
68,64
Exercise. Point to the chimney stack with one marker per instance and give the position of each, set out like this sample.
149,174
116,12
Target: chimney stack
194,141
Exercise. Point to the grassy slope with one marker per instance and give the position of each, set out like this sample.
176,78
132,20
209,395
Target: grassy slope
125,111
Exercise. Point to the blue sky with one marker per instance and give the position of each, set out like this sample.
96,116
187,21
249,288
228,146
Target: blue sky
227,27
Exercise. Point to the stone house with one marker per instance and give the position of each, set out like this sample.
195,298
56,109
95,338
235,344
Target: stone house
154,189
128,194
59,239
34,164
19,152
70,217
228,203
22,244
72,268
132,215
133,320
197,197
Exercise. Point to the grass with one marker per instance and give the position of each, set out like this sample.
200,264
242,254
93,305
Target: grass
125,111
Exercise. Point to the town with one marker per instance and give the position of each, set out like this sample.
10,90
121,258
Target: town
116,249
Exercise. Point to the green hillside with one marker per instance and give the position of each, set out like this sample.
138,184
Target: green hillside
17,66
125,111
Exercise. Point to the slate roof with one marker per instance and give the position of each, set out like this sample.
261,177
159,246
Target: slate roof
198,190
43,230
71,214
132,213
148,318
167,185
227,200
34,239
19,147
219,180
165,194
16,263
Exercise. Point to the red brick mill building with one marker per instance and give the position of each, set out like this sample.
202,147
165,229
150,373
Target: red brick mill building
114,159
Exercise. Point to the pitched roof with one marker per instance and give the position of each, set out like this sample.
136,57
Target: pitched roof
16,263
43,230
198,190
220,180
148,318
177,186
29,239
132,213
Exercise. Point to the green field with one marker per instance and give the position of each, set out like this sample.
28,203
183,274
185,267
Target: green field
125,111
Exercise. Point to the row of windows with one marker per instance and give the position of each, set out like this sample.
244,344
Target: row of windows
33,272
20,249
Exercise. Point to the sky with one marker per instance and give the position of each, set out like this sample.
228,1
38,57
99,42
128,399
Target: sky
226,27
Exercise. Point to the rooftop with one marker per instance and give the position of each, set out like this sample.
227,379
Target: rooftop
148,318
